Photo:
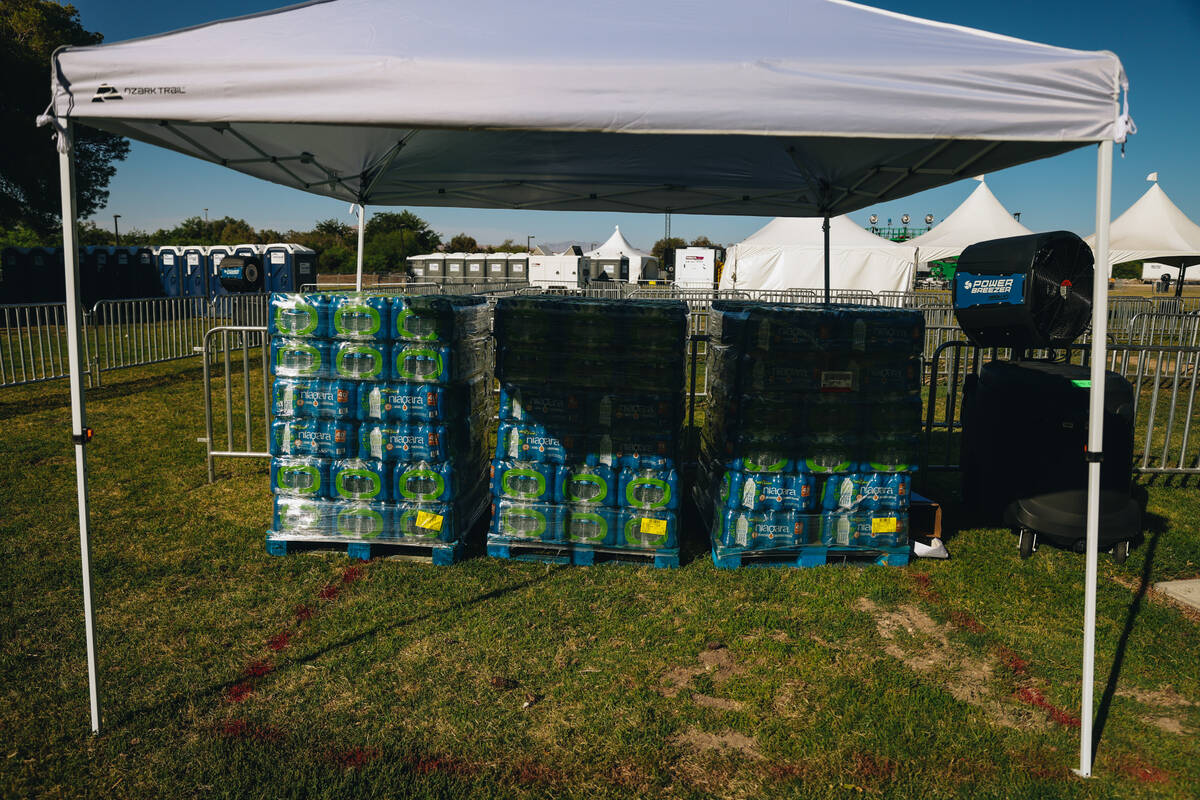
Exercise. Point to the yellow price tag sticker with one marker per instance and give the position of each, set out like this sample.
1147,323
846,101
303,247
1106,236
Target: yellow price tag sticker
430,522
884,525
654,527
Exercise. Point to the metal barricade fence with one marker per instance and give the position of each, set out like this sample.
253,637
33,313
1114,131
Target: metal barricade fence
1164,378
1163,328
243,338
34,347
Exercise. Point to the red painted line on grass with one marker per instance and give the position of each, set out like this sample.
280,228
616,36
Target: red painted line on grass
965,621
1036,699
1141,771
280,640
925,587
238,692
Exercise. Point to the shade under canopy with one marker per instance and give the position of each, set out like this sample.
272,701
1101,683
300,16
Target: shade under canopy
821,106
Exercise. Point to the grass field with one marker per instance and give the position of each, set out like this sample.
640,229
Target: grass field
230,673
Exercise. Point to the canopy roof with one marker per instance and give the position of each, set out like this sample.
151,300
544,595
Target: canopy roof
1155,229
821,106
790,254
978,219
617,246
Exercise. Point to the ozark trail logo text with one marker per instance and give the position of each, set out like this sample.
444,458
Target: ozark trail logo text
105,93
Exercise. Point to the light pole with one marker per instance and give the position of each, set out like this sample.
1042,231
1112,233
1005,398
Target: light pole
528,239
207,233
116,232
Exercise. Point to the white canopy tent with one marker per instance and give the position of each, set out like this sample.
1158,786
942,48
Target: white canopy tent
618,247
1152,229
789,253
381,103
979,218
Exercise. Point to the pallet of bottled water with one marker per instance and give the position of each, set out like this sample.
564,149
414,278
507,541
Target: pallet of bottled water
586,468
811,431
380,414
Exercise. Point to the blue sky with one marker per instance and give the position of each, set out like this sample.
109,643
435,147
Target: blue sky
1155,40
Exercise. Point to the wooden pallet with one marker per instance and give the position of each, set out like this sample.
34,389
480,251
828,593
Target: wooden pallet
582,555
439,553
809,556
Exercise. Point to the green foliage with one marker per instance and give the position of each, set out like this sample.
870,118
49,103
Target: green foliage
1130,269
663,245
462,243
30,30
704,241
21,235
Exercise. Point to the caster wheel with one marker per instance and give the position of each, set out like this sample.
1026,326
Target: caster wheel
1025,542
1120,553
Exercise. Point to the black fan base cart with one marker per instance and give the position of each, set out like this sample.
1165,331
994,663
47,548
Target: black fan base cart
1058,518
1024,442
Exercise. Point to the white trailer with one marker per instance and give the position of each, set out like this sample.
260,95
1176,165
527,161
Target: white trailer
550,271
695,267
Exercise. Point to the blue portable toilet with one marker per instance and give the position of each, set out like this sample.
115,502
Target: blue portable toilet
122,279
169,263
247,250
97,274
289,267
194,276
216,254
45,282
14,276
143,273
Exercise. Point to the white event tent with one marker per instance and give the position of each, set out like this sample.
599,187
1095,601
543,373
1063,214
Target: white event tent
618,247
977,219
376,102
1152,229
789,253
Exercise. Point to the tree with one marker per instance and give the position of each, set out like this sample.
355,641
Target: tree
336,230
704,241
663,245
30,30
387,252
461,243
424,238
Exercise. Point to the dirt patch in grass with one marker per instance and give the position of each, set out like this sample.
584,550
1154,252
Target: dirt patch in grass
1163,697
728,742
1169,724
715,661
719,664
921,643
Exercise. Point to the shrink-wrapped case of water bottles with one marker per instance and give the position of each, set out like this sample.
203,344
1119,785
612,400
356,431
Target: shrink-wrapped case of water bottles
811,428
591,415
380,410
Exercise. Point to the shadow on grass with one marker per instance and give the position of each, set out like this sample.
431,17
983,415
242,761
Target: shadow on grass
1155,526
211,692
57,395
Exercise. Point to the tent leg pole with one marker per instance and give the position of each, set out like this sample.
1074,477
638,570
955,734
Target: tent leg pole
1095,445
825,228
66,166
362,213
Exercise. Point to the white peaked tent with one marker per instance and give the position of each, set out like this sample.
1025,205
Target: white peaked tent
377,102
979,218
1153,229
789,253
618,246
